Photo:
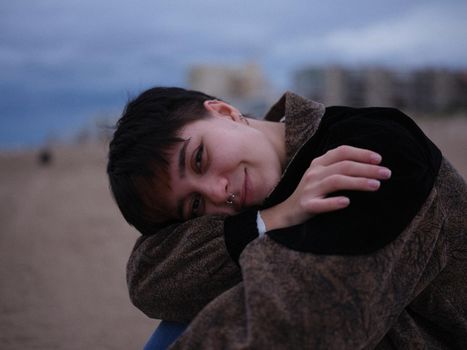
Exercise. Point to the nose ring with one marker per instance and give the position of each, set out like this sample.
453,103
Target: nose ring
230,199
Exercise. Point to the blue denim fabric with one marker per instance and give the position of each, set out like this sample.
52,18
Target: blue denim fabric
164,335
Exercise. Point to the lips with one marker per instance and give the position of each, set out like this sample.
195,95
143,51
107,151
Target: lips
240,203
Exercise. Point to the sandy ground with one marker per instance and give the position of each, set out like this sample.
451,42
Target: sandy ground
63,249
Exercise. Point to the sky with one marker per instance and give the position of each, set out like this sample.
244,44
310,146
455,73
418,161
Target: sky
64,63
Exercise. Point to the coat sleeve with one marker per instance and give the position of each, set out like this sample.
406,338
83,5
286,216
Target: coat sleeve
174,273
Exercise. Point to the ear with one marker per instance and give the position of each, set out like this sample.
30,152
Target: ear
222,109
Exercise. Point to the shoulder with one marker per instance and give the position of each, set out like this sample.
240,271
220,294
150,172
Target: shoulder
387,131
365,122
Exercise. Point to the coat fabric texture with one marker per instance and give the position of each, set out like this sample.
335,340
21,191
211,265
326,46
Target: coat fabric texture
389,274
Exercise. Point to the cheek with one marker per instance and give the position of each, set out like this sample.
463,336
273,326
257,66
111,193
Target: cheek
274,171
272,180
266,177
228,155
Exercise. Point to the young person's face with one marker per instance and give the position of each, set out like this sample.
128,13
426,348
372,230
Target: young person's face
221,155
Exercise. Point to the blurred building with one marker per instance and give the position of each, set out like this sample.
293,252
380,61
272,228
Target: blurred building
243,86
426,90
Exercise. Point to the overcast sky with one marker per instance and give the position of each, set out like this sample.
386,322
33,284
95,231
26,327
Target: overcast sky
62,62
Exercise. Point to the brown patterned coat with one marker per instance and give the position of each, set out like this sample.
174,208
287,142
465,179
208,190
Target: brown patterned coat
409,294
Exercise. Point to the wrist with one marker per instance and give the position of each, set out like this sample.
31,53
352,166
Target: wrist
275,217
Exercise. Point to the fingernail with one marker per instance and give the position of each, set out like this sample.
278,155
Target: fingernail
373,184
385,173
375,157
344,201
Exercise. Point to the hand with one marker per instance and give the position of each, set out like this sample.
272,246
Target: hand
343,168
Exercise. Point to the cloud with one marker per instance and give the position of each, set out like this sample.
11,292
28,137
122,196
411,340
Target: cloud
93,45
76,56
432,34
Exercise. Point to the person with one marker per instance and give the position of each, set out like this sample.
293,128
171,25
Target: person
384,270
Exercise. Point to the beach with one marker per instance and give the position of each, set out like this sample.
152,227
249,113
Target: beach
63,252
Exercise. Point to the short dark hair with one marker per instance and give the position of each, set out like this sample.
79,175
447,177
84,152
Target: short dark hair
139,151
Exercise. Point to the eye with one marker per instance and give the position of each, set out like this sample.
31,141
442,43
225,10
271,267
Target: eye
196,206
198,161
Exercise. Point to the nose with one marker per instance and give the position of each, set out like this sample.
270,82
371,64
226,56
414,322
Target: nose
216,190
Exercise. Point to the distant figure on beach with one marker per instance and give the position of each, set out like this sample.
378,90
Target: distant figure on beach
45,157
317,227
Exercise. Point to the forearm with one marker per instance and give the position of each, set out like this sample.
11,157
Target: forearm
174,273
276,217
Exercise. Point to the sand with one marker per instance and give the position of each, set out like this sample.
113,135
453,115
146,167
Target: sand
63,252
64,246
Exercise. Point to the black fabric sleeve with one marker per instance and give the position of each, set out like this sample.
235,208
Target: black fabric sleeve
239,230
373,219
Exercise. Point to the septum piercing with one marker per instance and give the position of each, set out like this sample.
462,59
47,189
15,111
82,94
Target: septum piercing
230,199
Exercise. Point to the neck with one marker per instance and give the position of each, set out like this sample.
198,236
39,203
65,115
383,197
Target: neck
275,132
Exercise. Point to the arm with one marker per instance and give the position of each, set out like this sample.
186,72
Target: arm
341,168
290,299
414,161
338,300
173,274
320,191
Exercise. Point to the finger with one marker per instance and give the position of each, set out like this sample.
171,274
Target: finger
348,153
324,205
357,169
335,183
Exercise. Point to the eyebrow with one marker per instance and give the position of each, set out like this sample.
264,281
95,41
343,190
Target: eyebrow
181,173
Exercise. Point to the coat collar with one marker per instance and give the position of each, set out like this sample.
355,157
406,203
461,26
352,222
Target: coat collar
302,118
